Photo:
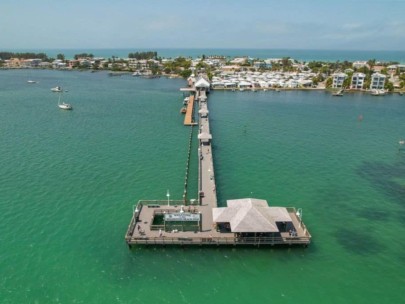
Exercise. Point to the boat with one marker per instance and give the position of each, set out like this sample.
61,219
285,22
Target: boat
31,81
338,93
185,101
377,92
56,89
63,105
183,110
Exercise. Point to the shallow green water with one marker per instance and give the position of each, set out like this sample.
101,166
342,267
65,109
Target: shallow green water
69,180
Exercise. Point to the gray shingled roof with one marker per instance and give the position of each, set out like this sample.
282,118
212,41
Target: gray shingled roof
251,215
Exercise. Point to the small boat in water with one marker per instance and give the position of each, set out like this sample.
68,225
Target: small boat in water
183,110
31,81
338,93
377,92
56,89
63,105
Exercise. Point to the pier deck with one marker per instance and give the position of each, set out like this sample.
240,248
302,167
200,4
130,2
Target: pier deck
206,185
147,234
148,227
188,119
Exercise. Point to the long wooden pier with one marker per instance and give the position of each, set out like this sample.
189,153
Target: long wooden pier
191,222
188,118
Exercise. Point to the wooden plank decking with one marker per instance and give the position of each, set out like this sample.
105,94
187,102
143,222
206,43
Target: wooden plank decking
188,119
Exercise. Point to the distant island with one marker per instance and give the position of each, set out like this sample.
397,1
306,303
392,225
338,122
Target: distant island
231,73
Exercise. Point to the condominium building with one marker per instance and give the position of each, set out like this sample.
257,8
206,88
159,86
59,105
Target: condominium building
357,81
338,79
377,81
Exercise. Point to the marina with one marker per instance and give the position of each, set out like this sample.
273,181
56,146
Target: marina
200,221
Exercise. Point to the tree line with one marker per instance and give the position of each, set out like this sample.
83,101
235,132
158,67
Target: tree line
26,55
143,55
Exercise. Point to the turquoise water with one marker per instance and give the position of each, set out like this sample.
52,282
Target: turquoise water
302,55
69,181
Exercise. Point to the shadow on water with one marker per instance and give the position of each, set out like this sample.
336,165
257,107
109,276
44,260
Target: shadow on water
374,214
385,178
358,242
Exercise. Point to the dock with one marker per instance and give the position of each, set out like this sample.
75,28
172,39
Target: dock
200,221
188,118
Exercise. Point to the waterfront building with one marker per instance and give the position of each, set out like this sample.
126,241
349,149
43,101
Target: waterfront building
239,60
12,63
393,68
360,64
58,63
250,215
31,63
377,81
378,68
202,84
357,81
338,79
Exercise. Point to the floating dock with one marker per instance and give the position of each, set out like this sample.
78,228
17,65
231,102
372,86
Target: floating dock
200,221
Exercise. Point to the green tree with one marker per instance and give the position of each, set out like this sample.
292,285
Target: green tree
185,73
389,86
347,81
83,55
60,57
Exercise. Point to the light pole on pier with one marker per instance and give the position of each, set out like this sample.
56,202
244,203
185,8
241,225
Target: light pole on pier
299,215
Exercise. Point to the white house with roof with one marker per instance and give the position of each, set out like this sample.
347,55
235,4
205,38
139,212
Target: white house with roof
377,81
360,64
239,60
338,79
357,81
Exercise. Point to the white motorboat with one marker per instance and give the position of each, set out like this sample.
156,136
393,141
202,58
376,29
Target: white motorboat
377,92
56,89
31,81
338,93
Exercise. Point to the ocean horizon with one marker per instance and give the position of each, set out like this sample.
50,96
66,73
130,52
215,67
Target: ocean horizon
298,54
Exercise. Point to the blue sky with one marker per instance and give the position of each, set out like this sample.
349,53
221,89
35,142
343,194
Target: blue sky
285,24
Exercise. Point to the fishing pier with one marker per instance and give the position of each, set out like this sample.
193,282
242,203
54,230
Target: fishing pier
200,221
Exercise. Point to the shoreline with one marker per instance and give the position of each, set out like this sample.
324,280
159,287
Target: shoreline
253,90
